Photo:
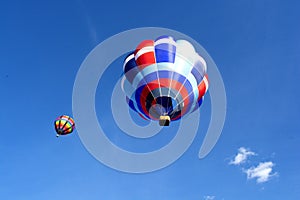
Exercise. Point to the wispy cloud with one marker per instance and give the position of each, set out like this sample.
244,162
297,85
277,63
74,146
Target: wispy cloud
90,25
209,197
242,156
262,172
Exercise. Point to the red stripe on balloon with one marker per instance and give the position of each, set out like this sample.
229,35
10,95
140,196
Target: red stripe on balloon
143,44
147,58
145,92
202,87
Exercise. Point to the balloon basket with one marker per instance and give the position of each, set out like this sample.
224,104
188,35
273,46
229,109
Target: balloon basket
164,120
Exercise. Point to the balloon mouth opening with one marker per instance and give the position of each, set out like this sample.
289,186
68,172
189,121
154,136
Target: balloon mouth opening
161,106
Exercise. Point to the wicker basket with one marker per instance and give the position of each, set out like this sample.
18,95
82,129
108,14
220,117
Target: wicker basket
164,120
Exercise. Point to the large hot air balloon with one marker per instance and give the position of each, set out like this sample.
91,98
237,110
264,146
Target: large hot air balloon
164,79
64,125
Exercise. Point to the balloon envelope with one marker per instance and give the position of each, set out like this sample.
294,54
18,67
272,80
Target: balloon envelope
64,125
164,77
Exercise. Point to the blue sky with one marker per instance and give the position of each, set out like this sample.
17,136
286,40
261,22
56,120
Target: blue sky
255,45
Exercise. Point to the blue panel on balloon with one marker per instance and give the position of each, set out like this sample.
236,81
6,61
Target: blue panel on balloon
131,105
165,49
197,75
130,64
149,78
198,104
164,37
165,53
165,74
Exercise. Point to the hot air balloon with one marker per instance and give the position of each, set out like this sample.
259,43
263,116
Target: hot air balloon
64,125
164,79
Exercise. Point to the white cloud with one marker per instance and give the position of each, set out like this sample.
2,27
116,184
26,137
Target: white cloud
242,156
262,172
209,197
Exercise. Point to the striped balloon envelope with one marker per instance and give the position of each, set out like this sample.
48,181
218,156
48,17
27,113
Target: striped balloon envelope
64,125
164,79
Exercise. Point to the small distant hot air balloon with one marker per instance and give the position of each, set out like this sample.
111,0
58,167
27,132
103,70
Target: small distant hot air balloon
164,79
64,125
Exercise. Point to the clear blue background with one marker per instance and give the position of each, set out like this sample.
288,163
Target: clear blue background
255,45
